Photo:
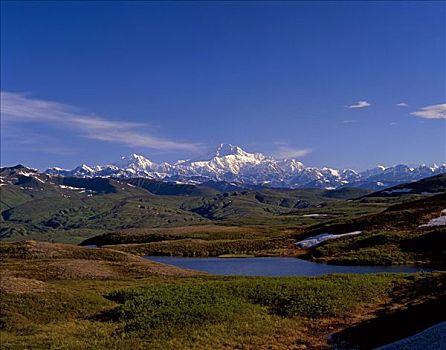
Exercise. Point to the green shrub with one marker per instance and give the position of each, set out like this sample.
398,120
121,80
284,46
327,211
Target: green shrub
168,307
176,306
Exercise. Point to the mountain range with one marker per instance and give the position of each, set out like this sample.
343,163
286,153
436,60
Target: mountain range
232,164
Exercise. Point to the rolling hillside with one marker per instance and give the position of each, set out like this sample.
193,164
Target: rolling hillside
138,210
48,207
398,229
428,186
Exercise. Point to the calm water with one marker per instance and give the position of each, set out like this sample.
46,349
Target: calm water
272,266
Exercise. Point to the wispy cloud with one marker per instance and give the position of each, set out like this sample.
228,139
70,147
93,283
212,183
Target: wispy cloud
431,112
402,104
291,152
349,121
359,104
18,138
17,107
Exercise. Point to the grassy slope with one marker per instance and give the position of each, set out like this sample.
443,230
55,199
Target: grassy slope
46,211
199,221
106,304
433,184
206,240
390,237
207,232
70,213
202,248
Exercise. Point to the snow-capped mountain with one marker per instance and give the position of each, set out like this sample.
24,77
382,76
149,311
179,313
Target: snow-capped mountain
233,164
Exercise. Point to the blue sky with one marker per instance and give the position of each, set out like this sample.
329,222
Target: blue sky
88,82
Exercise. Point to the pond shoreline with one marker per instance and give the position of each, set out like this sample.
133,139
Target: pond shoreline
275,266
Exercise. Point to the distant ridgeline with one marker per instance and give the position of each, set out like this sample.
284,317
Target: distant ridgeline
233,165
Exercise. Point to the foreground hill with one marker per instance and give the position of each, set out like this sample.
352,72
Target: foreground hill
46,261
62,296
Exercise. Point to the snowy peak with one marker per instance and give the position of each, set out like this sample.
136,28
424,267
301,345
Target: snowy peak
226,149
86,168
231,163
26,178
134,161
226,159
230,158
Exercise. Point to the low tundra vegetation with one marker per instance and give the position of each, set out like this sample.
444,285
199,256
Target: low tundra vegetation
55,296
160,308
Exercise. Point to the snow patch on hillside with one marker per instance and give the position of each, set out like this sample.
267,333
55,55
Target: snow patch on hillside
313,215
316,240
399,190
440,221
72,188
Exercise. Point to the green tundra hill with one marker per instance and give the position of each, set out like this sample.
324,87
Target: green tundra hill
144,216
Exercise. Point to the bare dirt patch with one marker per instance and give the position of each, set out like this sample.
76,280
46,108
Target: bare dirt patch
19,285
79,269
